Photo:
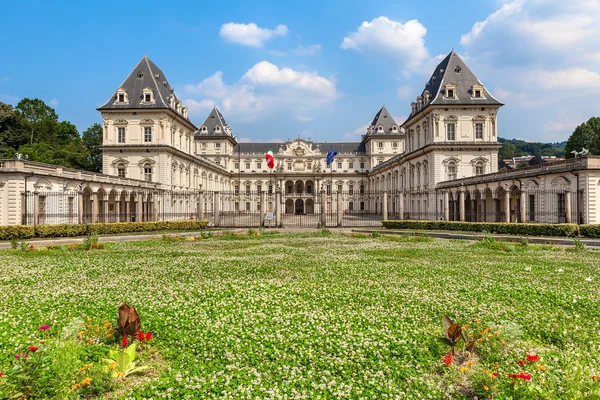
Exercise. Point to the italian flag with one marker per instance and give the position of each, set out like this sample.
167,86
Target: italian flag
270,159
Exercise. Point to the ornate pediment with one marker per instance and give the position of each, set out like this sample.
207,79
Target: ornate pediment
299,148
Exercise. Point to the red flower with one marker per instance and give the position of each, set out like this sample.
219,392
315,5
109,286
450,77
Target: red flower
1,374
124,341
148,335
521,362
525,376
32,349
140,336
495,374
44,327
447,360
533,357
596,377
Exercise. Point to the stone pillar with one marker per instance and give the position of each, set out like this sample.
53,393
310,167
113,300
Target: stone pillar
262,208
446,206
507,206
474,215
278,207
568,206
94,199
200,206
217,208
482,210
461,205
154,207
118,209
105,208
24,208
339,208
323,208
80,207
36,207
139,206
523,205
385,206
400,205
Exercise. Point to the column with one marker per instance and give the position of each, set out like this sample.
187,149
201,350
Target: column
80,207
401,205
385,206
461,205
474,214
278,207
339,208
94,198
507,206
482,210
262,208
446,206
217,208
568,206
105,207
36,207
200,208
118,208
323,209
154,207
523,205
24,208
140,206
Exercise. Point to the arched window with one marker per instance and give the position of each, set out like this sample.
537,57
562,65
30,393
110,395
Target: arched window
148,172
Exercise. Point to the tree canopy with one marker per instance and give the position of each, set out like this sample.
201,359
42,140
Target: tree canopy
32,128
585,136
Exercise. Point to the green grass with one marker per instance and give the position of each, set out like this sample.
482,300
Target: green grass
323,316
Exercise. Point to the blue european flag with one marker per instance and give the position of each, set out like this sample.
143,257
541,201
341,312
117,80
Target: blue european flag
330,154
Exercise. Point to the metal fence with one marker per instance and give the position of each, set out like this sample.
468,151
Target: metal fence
301,209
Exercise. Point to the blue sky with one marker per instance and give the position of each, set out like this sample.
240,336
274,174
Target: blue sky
322,70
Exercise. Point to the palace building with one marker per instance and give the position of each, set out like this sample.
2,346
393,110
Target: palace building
441,163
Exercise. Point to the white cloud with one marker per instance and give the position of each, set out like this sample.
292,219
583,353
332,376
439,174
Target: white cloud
54,103
311,50
405,43
249,140
265,73
263,90
357,133
250,34
570,78
406,92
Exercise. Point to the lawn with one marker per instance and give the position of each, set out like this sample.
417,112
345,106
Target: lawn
306,316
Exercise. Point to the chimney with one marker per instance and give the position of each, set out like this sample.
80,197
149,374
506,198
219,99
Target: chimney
413,105
419,102
426,94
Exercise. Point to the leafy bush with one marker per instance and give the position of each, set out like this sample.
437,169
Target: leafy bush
11,232
564,230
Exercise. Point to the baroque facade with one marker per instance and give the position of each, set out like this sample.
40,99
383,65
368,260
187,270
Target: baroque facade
441,163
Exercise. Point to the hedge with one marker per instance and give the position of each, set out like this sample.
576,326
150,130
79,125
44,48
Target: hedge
16,232
70,230
117,227
564,230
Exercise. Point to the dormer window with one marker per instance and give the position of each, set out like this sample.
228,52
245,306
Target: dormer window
172,100
204,129
477,92
451,91
148,96
394,128
179,107
217,128
380,129
122,97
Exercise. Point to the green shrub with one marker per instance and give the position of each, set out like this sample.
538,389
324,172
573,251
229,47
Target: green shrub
61,230
523,229
11,232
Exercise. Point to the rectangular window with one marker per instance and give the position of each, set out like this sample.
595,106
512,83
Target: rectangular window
350,165
351,206
236,190
247,206
247,190
147,134
236,206
339,188
328,190
218,145
451,93
270,189
289,166
478,93
531,208
362,206
451,172
380,145
121,98
147,98
351,190
148,174
237,165
395,145
121,172
362,165
562,209
258,165
248,165
121,135
451,128
259,188
478,131
339,165
362,189
479,170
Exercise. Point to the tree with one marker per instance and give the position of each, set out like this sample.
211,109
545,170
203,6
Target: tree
41,119
586,135
507,151
92,139
12,131
67,133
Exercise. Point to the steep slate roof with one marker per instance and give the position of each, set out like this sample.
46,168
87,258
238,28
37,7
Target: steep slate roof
385,119
453,70
146,74
214,119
